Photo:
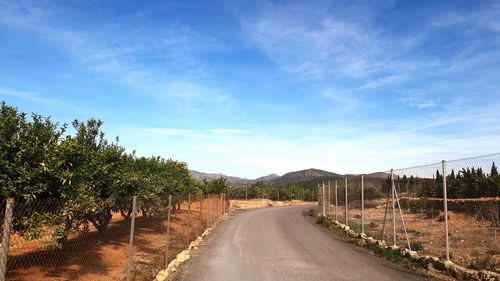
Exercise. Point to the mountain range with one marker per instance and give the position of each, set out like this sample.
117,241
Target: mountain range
308,177
230,179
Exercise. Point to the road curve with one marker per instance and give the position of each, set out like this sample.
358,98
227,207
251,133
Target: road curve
282,244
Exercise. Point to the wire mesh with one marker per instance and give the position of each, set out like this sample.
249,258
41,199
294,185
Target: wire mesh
354,203
376,205
420,193
88,239
473,190
341,208
418,219
63,240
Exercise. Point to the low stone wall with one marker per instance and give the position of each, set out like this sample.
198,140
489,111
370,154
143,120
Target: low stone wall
183,256
427,262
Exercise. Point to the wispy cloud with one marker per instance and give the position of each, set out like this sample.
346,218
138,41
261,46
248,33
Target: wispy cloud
31,96
341,97
105,52
416,102
230,131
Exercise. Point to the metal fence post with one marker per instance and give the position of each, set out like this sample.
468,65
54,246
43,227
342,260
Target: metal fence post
346,208
329,199
362,204
445,198
402,219
336,209
7,224
201,212
131,241
221,210
323,198
223,203
167,247
189,220
317,197
393,208
208,210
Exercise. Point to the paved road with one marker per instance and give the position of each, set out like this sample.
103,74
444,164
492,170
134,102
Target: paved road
282,244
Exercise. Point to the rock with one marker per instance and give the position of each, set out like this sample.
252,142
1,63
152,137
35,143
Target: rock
162,275
380,243
413,256
181,257
448,264
171,265
370,240
361,242
439,265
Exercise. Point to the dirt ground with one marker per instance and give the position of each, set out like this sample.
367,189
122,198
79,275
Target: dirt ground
473,242
93,256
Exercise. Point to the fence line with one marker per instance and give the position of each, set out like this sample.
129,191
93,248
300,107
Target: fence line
126,238
449,209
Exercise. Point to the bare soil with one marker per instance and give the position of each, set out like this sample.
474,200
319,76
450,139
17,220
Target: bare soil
474,241
103,256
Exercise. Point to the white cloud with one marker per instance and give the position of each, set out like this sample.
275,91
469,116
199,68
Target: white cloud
342,97
230,131
382,81
106,52
343,147
31,96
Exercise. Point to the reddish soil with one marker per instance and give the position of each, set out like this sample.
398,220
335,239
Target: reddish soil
94,256
472,239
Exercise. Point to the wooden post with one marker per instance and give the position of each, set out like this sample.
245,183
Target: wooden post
7,225
208,210
168,229
131,240
189,221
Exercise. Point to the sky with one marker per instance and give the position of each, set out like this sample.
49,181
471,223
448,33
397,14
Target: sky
249,88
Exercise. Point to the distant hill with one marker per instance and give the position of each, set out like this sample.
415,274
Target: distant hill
230,179
267,178
380,175
305,177
213,176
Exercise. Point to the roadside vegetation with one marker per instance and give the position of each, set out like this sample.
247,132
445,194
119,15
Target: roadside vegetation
81,177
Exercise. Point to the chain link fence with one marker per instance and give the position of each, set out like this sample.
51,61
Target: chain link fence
120,239
449,209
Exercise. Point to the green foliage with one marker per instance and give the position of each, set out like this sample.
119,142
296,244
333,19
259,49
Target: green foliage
219,185
261,190
467,183
392,255
60,181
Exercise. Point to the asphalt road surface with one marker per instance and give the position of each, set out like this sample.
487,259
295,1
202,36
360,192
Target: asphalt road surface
282,244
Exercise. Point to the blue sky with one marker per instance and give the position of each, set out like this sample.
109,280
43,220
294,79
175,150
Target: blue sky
250,88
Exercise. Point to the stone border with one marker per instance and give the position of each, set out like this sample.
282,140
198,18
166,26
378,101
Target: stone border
427,262
183,256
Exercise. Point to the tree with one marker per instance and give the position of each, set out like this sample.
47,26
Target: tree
494,171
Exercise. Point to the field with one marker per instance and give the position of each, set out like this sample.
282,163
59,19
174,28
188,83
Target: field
89,255
474,239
